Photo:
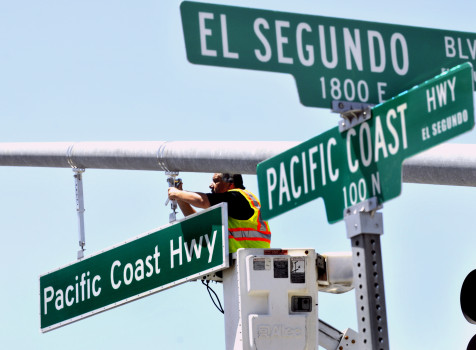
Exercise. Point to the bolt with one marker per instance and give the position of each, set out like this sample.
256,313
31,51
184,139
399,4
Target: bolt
346,337
341,348
353,341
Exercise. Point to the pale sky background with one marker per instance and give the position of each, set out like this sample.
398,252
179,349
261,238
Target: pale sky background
117,71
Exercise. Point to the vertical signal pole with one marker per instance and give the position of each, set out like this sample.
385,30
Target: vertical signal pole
364,228
78,181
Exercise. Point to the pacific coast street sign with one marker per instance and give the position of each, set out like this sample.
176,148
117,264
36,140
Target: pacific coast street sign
154,261
330,58
366,161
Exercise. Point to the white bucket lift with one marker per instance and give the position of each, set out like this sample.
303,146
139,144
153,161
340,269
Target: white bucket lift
270,297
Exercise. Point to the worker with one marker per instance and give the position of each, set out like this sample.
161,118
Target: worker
246,228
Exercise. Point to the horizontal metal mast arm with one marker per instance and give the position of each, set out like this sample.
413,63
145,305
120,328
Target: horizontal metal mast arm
187,156
447,164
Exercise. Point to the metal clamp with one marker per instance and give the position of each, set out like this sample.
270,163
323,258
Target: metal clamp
332,339
363,218
369,205
349,340
173,182
352,113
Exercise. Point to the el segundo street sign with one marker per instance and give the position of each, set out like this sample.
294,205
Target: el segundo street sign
366,161
154,261
330,58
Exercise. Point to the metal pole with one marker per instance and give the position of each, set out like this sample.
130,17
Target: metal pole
189,156
78,181
364,227
447,164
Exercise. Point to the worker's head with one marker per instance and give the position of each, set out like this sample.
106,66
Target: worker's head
222,182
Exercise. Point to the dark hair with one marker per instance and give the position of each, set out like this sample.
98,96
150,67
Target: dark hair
235,179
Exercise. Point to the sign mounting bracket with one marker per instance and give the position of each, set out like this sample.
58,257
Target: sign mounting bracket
173,181
352,113
78,181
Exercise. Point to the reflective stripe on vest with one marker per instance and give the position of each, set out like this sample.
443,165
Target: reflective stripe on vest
251,233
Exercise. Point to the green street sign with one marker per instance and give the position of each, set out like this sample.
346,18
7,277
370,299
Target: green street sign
366,161
330,58
154,261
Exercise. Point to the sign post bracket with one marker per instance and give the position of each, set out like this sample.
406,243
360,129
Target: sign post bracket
173,182
78,181
364,227
352,113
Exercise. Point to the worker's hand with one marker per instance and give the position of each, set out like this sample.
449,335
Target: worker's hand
174,193
180,186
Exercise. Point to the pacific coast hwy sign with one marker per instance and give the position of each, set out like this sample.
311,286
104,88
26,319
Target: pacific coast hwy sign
366,161
330,58
154,261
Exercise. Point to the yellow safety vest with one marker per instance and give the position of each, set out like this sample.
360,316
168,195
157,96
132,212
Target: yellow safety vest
251,233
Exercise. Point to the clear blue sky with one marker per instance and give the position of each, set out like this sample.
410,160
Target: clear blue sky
117,71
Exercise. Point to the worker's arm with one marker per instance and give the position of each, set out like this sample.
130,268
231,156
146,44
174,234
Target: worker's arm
186,199
186,208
